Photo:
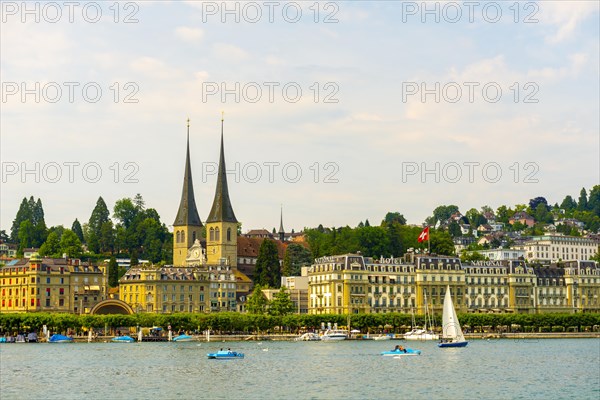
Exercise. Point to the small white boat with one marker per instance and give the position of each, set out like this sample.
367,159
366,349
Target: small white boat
382,337
335,334
421,334
308,337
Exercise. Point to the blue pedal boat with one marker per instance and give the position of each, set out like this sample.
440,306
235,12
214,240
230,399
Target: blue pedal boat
122,339
183,338
60,339
398,352
225,355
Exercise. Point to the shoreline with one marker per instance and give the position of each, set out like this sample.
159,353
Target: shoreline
291,337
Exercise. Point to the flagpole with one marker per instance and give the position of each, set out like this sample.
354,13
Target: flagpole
428,240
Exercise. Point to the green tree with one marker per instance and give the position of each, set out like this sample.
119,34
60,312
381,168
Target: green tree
51,247
70,244
23,214
99,216
568,204
76,228
582,204
442,213
475,218
503,214
125,211
441,243
466,256
26,235
395,217
373,241
594,200
257,302
281,304
541,214
267,272
296,256
133,258
454,229
113,272
106,240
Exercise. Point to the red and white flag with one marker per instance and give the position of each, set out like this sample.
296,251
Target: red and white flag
424,235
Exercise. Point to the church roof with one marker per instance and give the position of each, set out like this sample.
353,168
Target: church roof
187,213
221,210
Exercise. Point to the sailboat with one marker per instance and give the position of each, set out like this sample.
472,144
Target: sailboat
452,335
421,334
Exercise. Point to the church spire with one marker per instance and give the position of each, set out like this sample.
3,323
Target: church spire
221,210
187,213
281,230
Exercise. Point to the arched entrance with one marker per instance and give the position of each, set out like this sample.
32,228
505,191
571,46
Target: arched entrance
112,306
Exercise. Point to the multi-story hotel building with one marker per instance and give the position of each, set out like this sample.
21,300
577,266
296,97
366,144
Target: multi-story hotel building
353,283
554,248
51,285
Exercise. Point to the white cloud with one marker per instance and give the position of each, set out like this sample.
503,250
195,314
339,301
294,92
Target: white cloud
187,34
229,52
566,16
577,62
152,67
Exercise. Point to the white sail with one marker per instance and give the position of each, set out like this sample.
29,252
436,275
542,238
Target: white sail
450,325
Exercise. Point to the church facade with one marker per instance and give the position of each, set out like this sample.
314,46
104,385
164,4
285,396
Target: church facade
200,280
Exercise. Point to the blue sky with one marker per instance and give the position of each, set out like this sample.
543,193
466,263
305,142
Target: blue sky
363,143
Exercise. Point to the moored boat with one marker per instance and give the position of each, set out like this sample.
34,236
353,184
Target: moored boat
382,337
335,334
56,338
183,338
452,335
122,339
225,355
308,337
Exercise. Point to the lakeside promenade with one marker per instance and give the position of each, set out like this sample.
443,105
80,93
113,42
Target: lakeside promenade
360,337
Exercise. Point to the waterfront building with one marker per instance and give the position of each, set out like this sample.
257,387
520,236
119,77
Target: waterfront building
417,282
51,285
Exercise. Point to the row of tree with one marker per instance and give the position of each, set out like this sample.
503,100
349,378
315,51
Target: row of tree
391,237
137,233
231,322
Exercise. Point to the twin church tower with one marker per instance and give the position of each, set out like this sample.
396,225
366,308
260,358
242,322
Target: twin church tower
221,224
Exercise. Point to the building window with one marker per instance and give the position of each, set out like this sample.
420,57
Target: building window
178,237
194,236
217,234
229,234
212,234
183,236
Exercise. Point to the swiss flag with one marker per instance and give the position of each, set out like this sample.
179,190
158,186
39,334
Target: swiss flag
424,235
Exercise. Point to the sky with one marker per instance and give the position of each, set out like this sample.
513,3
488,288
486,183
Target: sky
336,111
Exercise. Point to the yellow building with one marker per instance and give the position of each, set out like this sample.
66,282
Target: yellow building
352,283
51,285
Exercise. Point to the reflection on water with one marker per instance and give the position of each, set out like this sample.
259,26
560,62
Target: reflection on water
328,370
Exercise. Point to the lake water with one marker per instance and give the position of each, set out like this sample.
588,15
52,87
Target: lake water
495,369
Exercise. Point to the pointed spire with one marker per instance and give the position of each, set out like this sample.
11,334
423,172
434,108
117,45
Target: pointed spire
187,213
221,210
281,230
